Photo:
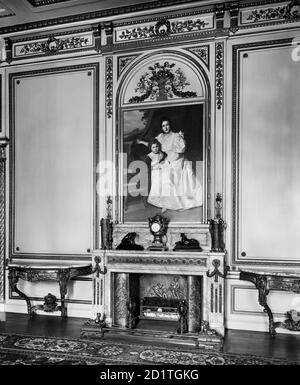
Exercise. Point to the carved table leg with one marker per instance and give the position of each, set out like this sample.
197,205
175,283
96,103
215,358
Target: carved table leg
261,285
13,279
64,276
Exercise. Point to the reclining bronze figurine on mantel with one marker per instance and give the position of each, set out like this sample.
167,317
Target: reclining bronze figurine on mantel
128,243
186,244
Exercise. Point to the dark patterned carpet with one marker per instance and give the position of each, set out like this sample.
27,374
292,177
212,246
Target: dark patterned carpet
32,350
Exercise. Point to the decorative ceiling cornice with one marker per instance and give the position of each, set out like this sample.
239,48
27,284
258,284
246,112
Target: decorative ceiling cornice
126,10
146,6
40,3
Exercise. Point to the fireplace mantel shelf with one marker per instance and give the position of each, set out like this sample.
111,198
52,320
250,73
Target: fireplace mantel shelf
153,261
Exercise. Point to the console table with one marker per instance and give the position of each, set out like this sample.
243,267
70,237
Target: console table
266,281
61,273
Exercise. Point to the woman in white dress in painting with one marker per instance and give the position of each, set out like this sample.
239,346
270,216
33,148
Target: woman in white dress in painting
177,187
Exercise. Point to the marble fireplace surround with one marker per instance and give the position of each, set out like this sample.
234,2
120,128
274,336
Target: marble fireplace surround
116,265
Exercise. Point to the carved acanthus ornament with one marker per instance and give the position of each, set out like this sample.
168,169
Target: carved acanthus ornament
123,62
203,53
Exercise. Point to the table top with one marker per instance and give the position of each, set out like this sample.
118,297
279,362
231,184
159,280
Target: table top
49,265
287,274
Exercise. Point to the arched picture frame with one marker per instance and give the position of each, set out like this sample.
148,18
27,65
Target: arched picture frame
171,178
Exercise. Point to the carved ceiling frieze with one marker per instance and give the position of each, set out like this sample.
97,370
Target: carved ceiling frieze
289,12
53,45
164,28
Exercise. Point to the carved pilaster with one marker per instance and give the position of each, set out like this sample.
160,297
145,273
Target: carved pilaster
109,86
2,218
219,74
215,292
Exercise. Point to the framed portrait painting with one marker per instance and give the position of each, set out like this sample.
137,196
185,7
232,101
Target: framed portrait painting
162,163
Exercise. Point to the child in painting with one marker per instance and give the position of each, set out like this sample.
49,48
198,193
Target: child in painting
157,157
174,185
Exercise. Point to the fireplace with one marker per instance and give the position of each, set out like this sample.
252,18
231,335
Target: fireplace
139,299
175,295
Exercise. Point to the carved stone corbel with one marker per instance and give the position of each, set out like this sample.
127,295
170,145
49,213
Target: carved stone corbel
234,16
97,36
109,29
8,49
220,12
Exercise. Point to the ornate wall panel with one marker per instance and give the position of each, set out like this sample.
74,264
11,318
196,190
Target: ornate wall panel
53,198
266,146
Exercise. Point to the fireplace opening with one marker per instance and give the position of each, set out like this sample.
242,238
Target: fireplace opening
163,302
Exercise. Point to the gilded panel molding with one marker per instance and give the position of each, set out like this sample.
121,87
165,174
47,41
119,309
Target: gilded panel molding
109,86
219,74
124,61
202,52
